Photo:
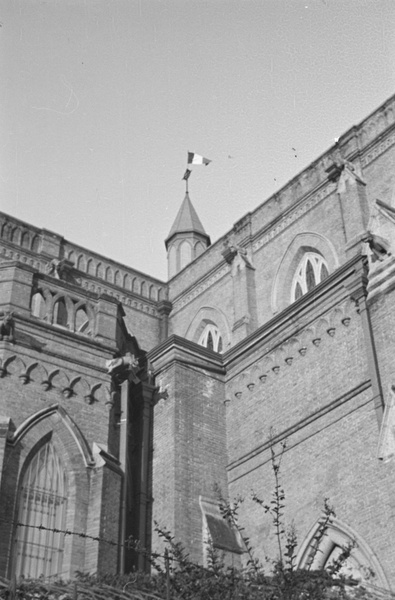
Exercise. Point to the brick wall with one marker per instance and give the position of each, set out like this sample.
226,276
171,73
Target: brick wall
189,450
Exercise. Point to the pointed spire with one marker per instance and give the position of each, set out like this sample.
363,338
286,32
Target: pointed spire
187,238
187,221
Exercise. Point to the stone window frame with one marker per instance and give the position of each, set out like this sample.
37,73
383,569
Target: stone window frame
45,503
54,425
301,244
209,315
338,536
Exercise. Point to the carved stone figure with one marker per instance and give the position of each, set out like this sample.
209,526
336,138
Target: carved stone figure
7,327
128,364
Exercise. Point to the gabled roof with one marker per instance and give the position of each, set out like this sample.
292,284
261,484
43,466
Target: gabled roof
187,221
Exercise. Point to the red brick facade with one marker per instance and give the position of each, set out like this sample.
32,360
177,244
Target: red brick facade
154,434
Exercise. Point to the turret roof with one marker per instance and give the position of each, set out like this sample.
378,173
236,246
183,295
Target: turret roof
187,221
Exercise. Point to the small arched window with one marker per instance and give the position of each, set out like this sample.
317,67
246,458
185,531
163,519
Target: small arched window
38,306
211,338
60,313
42,502
311,270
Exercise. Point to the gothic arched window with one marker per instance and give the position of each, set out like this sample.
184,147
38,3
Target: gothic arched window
60,313
311,270
211,338
42,502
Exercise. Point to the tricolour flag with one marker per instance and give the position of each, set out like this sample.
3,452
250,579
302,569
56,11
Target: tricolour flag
196,159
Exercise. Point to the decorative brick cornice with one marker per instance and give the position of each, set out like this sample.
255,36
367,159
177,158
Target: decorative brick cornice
302,312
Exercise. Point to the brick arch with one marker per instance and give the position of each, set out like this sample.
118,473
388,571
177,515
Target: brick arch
118,278
100,270
25,240
204,316
109,275
302,243
6,230
127,282
152,292
52,424
16,235
90,267
81,263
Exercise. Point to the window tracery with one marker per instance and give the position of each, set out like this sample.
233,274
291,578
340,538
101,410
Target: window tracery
211,338
311,270
42,501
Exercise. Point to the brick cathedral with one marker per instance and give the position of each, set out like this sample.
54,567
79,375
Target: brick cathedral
126,400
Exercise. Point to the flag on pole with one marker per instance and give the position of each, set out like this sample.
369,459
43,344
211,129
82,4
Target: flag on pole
187,174
196,159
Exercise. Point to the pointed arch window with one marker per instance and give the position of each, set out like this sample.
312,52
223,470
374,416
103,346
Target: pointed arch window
60,313
211,338
311,270
42,502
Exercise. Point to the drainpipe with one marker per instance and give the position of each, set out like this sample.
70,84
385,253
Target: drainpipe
124,460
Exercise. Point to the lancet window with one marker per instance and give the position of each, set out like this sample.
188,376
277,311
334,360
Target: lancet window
60,316
42,510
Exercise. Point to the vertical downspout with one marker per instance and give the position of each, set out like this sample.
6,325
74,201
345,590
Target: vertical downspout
124,460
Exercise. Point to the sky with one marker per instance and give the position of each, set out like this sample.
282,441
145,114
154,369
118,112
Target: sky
101,100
